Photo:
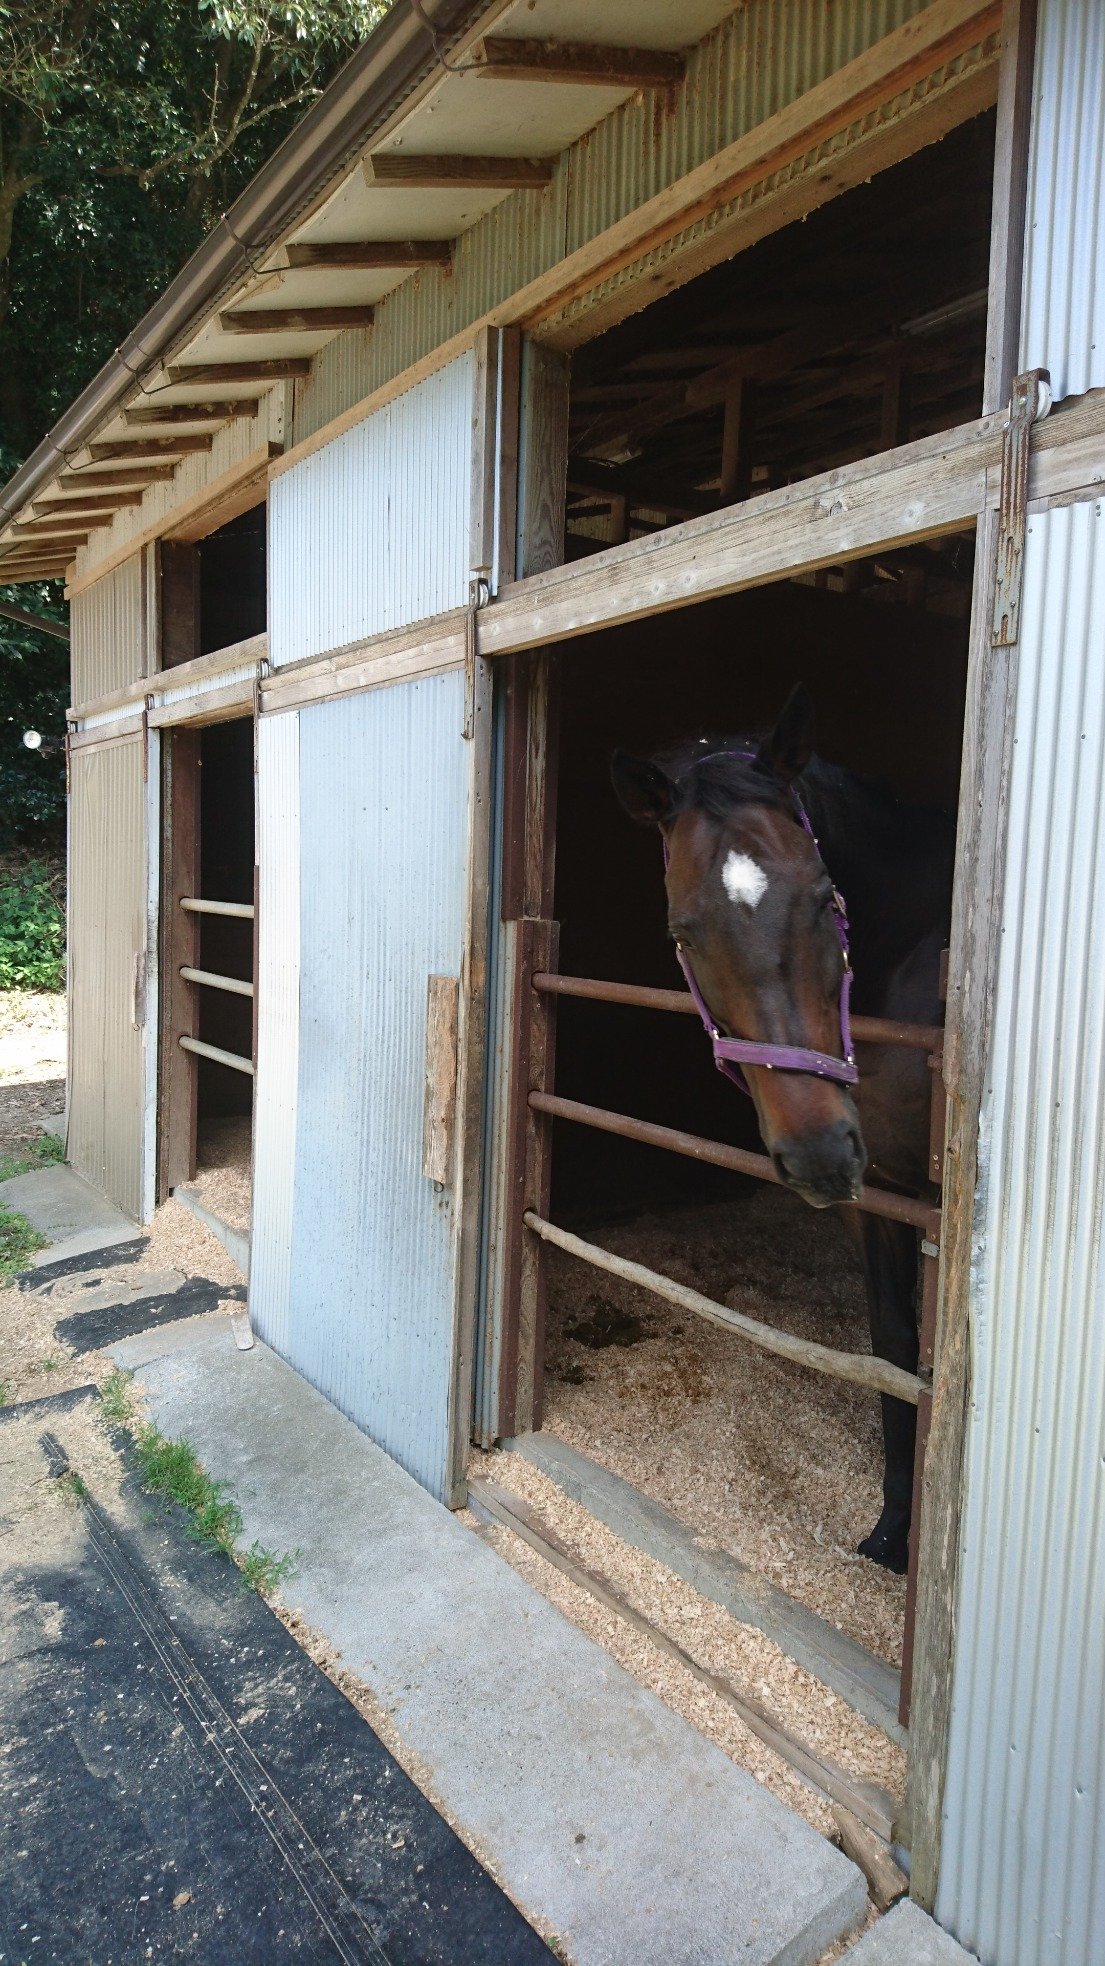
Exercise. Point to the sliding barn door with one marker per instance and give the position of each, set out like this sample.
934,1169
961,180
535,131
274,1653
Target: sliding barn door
372,922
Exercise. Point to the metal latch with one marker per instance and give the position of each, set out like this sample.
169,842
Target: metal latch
1030,401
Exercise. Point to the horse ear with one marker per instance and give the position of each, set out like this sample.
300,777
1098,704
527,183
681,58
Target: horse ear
789,748
645,791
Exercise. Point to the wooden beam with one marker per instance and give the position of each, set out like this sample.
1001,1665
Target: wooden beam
280,368
127,478
47,529
295,320
373,255
135,447
85,503
196,412
507,60
396,169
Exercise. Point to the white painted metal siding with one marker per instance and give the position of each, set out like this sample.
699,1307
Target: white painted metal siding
371,531
1023,1868
1063,319
275,1084
107,632
384,816
1022,1879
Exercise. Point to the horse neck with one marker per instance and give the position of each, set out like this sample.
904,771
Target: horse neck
887,861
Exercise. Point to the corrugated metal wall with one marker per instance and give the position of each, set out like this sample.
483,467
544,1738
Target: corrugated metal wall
383,816
371,531
107,948
759,59
1022,1879
276,1079
107,630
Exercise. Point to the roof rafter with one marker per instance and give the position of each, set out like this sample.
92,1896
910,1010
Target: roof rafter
278,368
371,255
135,447
195,412
395,169
295,320
503,59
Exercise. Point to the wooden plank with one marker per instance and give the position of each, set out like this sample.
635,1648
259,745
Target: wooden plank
396,169
501,58
213,706
543,459
124,477
253,649
972,969
294,320
273,368
180,948
373,255
886,1880
240,406
425,649
482,516
856,1368
182,445
234,490
83,504
509,438
439,1105
871,1804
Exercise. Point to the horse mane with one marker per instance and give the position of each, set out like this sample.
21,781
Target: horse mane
711,775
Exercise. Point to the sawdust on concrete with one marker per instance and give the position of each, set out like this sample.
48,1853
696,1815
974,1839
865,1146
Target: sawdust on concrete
756,1667
179,1242
773,1463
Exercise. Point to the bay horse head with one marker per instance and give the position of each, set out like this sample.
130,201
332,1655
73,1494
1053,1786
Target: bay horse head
756,920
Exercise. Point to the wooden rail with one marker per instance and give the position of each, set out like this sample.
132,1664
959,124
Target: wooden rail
234,984
243,910
868,1030
876,1201
858,1368
213,1051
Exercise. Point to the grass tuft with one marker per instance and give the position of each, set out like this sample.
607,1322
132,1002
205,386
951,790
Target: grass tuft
116,1404
262,1570
46,1152
18,1243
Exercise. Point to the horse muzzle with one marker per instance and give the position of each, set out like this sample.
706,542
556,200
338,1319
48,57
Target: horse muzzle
824,1166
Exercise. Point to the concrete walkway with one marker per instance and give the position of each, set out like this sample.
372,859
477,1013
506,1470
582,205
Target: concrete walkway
76,1218
605,1815
907,1937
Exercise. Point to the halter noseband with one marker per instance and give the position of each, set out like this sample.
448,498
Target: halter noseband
731,1053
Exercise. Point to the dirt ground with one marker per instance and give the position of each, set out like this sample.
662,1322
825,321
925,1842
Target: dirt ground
32,1064
778,1465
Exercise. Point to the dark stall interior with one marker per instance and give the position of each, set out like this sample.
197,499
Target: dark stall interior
226,942
232,581
888,681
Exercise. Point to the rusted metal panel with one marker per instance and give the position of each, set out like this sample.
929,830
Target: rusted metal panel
1031,398
1022,1878
372,530
107,632
108,944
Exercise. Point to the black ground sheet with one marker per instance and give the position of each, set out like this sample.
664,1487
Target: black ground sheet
180,1781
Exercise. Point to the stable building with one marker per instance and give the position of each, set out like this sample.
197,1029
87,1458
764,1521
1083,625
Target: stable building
575,378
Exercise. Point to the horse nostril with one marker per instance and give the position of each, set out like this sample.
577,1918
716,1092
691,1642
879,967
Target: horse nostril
825,1166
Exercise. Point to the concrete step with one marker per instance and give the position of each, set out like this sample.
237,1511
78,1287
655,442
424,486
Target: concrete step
907,1936
76,1218
609,1819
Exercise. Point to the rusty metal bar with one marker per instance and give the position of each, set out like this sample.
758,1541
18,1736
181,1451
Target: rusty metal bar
230,1058
858,1368
896,1208
869,1030
208,977
243,910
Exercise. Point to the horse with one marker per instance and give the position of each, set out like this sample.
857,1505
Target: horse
765,844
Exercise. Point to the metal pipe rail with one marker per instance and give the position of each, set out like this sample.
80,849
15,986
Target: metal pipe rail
869,1030
234,984
876,1201
858,1368
231,1058
242,910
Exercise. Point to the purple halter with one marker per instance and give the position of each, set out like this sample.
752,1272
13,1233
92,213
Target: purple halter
731,1053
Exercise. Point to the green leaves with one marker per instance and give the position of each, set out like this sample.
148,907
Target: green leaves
32,930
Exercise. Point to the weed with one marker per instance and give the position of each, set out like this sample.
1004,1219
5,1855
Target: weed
32,930
71,1486
50,1364
262,1570
169,1467
5,1392
18,1242
116,1404
45,1152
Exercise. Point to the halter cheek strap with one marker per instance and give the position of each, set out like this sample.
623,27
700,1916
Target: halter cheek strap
730,1054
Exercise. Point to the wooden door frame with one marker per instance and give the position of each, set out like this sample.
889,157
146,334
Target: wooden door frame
991,688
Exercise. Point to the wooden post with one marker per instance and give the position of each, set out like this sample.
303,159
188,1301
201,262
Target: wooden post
180,944
179,591
736,462
980,873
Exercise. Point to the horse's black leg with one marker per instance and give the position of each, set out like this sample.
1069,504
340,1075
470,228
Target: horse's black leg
890,1267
